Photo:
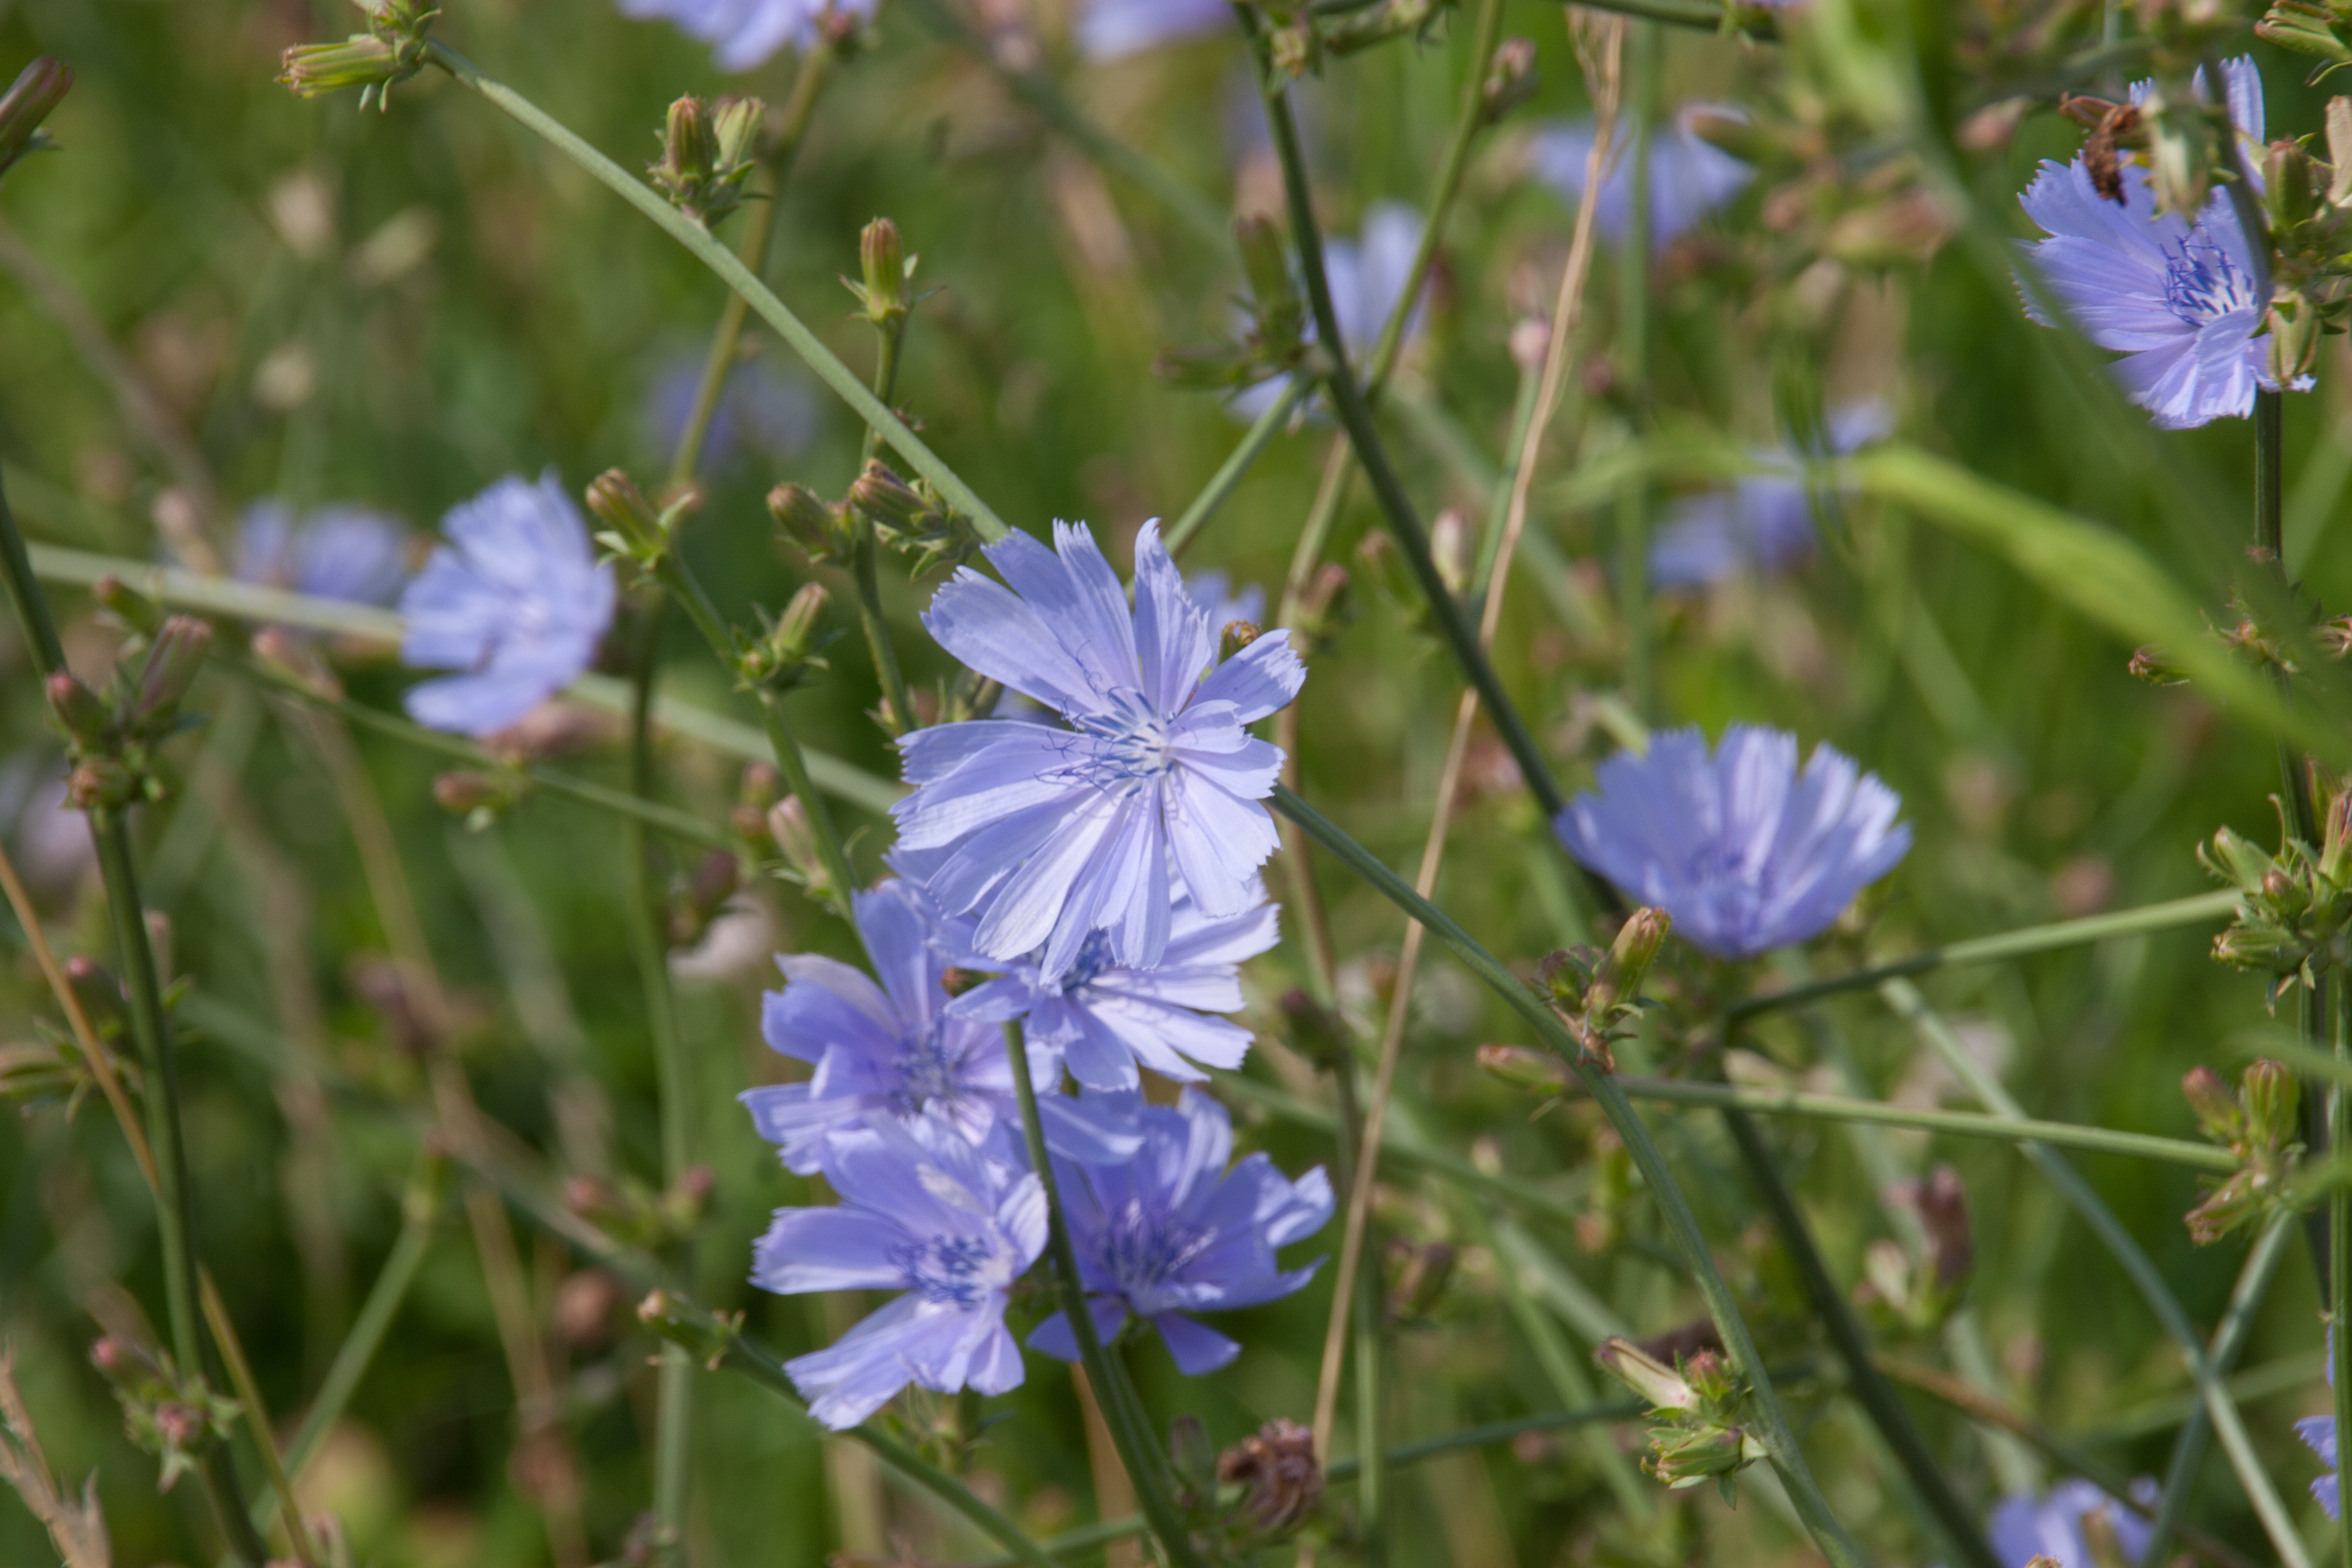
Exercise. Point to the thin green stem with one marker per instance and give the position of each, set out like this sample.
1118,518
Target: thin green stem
2200,910
1863,1380
1962,1123
1644,52
1371,1492
1228,477
2339,1232
897,711
1788,1458
1356,417
420,1212
698,241
1137,1449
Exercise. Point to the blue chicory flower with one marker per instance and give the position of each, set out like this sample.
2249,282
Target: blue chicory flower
1172,1231
2176,299
1222,603
1367,276
1689,175
1113,29
2024,1529
761,411
1743,851
1764,523
923,1212
516,600
347,553
1151,791
894,1054
745,34
2318,1434
1103,1018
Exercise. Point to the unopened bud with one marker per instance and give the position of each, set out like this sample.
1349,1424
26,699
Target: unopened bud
889,500
1234,637
81,711
1522,1068
2277,886
2216,1108
2339,151
1452,545
821,531
1510,79
704,1334
1564,973
2271,1098
2306,26
133,608
882,260
707,155
1621,975
1653,1380
632,527
173,661
313,71
2294,332
118,1360
788,649
2287,190
35,93
737,122
788,825
98,783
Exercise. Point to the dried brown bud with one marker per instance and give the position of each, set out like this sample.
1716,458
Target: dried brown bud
1281,1482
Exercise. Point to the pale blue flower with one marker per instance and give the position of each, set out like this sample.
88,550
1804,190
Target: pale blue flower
923,1212
2176,299
1112,29
1746,853
894,1053
1764,523
1367,276
761,412
1222,603
347,553
1172,1231
2024,1529
516,600
1104,1018
2318,1434
745,34
1151,791
1689,175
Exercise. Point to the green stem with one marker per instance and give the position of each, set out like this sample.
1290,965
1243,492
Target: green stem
2202,908
1371,1492
2339,1252
731,272
1787,1458
1356,418
1228,478
1963,1124
420,1210
1863,1380
1137,1450
898,712
1641,63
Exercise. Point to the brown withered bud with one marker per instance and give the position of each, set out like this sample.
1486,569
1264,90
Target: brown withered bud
584,1307
1943,1208
1281,1482
2148,664
1315,1032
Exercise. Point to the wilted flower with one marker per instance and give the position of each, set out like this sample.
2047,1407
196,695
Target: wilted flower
1746,853
1689,176
1172,1231
347,553
1368,278
894,1053
516,600
1764,523
923,1212
2060,1524
1152,790
1280,1481
744,34
1112,29
2178,300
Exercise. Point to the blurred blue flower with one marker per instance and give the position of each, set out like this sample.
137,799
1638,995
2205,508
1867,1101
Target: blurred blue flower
1689,175
894,1053
1112,30
345,552
744,34
1367,277
1764,523
517,600
923,1212
1742,850
1174,1231
1222,603
761,411
2176,299
1152,790
2318,1434
2022,1529
1103,1018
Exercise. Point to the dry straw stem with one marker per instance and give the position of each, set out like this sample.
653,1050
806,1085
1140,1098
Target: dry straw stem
76,1527
1601,47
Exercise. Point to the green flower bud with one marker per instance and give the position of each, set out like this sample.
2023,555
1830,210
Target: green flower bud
788,825
2293,326
1621,977
706,1335
2306,28
1653,1380
1563,976
885,268
821,532
1234,637
632,527
134,609
894,505
173,661
707,155
2271,1098
81,711
32,97
2287,190
2216,1110
1522,1068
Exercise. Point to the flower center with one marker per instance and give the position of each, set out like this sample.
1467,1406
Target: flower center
946,1269
1093,957
2201,283
1132,748
930,1070
1141,1249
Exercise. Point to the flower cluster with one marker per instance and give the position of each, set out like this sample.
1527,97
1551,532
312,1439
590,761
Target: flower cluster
2293,920
1094,870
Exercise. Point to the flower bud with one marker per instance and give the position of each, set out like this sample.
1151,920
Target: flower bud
789,647
173,661
362,60
1619,979
2149,664
1662,1385
98,783
81,711
632,527
1234,637
1281,1482
2287,188
2271,1098
1522,1068
707,155
737,122
1510,78
133,608
2307,28
886,268
2216,1110
821,532
893,503
2293,326
788,825
32,97
706,1335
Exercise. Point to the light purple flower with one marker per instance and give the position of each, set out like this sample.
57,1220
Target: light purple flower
1151,791
346,552
1104,1018
745,34
761,411
1742,850
1764,523
1172,1231
1367,276
516,600
894,1053
2176,299
2318,1434
1222,603
1689,175
923,1212
2022,1529
1112,29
